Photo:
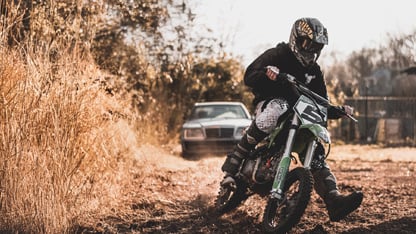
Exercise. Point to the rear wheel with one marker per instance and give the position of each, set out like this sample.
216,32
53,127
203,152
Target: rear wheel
229,197
281,215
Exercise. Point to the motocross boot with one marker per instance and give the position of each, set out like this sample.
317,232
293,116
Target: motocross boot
241,151
337,205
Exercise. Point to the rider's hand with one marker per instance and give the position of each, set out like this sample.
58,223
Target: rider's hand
272,72
349,110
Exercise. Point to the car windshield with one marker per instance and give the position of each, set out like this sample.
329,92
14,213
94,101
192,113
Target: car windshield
218,112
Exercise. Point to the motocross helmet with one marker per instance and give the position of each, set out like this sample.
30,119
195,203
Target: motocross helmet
307,39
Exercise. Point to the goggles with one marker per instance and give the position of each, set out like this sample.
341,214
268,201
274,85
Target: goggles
308,45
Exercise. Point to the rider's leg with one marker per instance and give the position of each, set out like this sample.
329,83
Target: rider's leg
267,115
338,205
250,139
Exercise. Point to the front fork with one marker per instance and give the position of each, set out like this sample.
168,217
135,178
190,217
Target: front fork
283,167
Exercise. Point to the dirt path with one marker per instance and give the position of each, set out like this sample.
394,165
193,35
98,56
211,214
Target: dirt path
176,196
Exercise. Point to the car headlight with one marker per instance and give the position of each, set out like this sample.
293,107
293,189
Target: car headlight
240,132
193,134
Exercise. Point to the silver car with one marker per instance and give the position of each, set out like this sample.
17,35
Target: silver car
214,127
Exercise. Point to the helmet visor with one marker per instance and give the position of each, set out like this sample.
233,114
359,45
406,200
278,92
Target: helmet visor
308,45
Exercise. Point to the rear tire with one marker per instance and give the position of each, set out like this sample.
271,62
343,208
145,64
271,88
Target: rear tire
228,198
281,216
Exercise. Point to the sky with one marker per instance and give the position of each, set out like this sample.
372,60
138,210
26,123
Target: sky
248,27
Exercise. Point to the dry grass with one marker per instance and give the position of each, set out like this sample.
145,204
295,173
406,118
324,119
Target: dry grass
61,151
66,145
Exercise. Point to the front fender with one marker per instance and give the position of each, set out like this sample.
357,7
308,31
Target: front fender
318,131
307,133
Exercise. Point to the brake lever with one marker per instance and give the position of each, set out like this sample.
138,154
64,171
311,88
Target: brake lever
348,115
351,117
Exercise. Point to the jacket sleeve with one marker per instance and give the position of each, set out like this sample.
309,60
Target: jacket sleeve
319,86
255,75
335,112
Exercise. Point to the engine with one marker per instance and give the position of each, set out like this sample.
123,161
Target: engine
259,170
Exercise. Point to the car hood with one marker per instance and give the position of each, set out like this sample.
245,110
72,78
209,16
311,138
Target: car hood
217,122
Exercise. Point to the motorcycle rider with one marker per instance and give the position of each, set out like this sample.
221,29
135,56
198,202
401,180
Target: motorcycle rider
273,97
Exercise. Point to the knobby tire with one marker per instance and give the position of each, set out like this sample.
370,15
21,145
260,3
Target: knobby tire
291,209
228,200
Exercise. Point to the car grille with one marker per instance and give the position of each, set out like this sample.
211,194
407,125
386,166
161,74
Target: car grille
210,146
219,132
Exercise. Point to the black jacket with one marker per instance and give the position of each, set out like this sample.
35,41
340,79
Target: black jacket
282,57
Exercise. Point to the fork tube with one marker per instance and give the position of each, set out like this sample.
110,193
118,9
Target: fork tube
309,154
283,168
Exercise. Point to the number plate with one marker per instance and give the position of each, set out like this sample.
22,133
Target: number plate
308,112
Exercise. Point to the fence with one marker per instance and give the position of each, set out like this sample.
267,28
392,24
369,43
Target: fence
390,120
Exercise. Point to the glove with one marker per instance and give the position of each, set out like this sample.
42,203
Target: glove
349,110
272,72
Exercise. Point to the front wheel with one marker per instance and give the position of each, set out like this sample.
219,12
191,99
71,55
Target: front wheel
281,215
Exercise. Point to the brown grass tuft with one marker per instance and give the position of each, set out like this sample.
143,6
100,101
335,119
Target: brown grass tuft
62,149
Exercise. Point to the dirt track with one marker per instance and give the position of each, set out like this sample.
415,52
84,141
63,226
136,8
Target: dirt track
177,196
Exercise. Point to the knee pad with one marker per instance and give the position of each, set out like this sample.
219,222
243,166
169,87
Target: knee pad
268,113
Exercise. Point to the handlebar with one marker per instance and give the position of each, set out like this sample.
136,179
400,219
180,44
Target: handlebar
349,116
302,88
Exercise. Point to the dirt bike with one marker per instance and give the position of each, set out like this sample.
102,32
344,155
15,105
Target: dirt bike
269,171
